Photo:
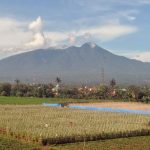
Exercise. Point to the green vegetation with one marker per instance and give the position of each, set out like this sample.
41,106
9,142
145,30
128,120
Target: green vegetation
24,121
34,100
63,125
111,91
11,144
134,143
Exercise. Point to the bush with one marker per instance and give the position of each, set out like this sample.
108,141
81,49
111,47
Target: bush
19,94
146,99
3,93
6,89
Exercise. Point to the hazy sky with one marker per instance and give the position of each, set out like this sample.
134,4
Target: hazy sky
121,26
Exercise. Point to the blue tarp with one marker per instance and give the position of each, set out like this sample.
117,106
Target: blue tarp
100,109
111,109
51,105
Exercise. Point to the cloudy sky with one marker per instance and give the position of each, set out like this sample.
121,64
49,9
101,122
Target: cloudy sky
121,26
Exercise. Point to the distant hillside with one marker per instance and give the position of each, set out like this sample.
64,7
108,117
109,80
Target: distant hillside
86,64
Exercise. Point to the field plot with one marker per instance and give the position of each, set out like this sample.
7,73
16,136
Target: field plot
4,100
63,125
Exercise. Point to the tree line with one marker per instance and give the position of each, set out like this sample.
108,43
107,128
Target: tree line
108,92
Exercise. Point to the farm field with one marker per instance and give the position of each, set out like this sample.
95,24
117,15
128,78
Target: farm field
74,75
36,101
47,125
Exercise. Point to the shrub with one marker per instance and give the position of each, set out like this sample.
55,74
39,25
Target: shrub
3,93
146,99
19,94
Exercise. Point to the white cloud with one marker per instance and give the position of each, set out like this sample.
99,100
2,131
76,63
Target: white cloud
12,33
36,25
54,38
72,39
38,41
57,36
103,33
109,32
138,55
129,15
17,36
143,56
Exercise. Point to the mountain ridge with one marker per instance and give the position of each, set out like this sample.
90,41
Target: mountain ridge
84,64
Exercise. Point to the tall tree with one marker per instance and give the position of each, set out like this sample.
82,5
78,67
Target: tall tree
58,80
6,89
17,81
112,83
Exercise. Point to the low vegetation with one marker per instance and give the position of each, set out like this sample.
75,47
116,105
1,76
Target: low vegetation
12,144
134,143
46,125
111,91
36,101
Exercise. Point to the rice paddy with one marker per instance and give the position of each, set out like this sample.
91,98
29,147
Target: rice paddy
63,125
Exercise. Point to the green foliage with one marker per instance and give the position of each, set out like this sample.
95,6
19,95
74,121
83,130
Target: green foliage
69,93
5,89
12,144
146,99
131,93
3,93
103,92
34,100
134,143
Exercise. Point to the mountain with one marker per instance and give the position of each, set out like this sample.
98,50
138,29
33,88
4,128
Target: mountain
86,64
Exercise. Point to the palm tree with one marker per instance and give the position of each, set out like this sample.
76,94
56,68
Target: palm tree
17,81
112,83
58,80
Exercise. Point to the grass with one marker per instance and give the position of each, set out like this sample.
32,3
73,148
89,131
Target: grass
36,101
12,144
33,100
62,125
134,143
